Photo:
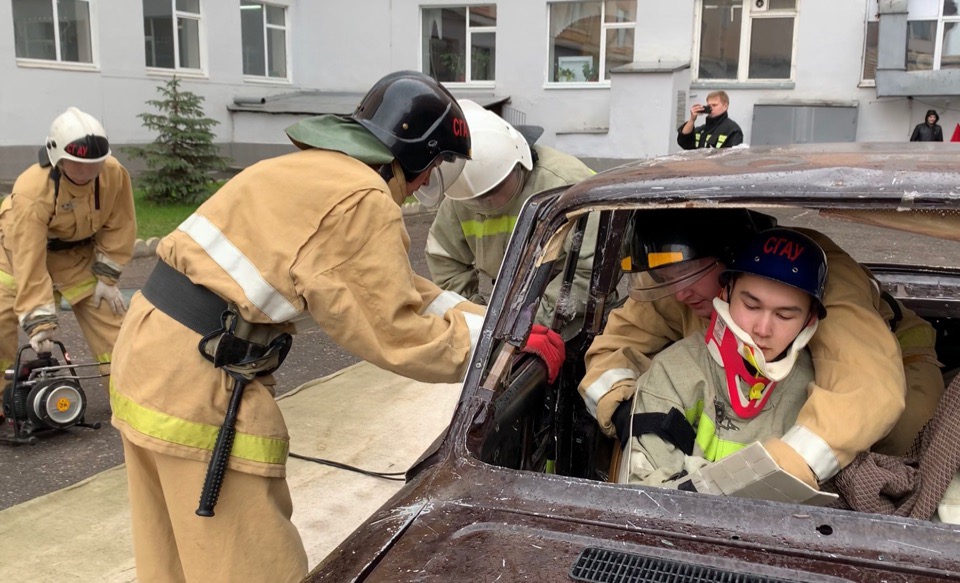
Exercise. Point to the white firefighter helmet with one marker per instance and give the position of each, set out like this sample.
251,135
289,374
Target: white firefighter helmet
497,149
75,135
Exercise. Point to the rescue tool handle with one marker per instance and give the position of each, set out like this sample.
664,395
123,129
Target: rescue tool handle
221,454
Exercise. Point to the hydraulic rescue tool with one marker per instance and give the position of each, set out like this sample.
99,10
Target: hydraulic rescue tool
43,395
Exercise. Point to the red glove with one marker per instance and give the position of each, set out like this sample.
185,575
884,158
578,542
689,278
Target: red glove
548,345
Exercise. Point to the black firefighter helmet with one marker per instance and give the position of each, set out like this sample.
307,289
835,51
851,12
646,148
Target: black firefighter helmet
416,118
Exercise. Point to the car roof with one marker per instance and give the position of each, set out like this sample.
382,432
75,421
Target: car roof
877,175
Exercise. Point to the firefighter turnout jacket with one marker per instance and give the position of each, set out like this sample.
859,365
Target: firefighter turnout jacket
464,245
58,238
864,373
686,377
313,235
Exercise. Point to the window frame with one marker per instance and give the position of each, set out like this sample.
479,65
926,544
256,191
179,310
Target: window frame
602,81
746,34
201,42
58,63
468,42
286,41
872,17
941,21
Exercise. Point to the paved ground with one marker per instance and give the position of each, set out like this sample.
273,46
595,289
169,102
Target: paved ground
65,458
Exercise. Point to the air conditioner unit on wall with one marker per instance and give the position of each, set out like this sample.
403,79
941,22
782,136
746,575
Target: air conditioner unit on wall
759,5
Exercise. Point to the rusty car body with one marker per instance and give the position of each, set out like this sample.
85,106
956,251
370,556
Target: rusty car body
481,507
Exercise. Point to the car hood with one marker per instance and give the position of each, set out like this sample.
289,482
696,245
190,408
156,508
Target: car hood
484,524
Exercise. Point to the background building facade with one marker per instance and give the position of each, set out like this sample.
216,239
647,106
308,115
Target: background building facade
610,79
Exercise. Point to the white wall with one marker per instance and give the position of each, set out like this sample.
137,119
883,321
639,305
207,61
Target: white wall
346,46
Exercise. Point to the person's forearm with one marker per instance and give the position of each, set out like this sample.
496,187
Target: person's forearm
688,127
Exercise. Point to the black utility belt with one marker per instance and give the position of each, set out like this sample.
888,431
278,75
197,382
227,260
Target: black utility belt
228,341
61,245
194,306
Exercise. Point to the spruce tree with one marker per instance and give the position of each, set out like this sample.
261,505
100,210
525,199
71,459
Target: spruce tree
183,156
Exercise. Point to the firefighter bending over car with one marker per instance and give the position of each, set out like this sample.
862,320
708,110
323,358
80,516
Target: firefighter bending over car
877,378
67,229
314,236
478,212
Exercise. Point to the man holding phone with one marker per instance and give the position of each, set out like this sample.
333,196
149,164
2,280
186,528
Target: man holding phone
719,131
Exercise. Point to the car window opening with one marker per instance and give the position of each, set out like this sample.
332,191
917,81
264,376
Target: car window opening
546,428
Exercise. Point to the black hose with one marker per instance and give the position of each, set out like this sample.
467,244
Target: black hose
338,465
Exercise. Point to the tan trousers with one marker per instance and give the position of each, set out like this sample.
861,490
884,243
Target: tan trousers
98,324
250,538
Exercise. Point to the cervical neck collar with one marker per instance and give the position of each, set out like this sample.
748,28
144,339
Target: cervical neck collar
733,349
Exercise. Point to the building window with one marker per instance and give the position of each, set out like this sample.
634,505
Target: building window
460,44
264,31
587,38
933,35
871,44
37,37
746,41
171,30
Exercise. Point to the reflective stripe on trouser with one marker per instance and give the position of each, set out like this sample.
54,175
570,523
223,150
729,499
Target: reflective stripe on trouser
97,323
168,428
250,539
9,325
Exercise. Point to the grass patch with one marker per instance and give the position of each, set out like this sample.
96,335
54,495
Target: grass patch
158,220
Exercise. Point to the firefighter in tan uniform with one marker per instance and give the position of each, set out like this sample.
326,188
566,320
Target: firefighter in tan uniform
706,397
314,236
68,228
469,236
874,388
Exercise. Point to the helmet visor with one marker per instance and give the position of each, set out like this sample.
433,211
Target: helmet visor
89,148
500,195
653,284
441,177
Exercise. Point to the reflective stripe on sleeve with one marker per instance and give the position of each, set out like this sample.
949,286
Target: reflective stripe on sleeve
260,293
435,248
814,450
442,303
602,386
47,311
102,258
475,325
448,300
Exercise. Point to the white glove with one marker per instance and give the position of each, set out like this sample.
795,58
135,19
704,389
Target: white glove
42,341
111,294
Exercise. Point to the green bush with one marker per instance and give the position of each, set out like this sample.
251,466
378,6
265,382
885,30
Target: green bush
183,156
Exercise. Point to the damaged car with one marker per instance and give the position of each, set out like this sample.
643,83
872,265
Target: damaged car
520,486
